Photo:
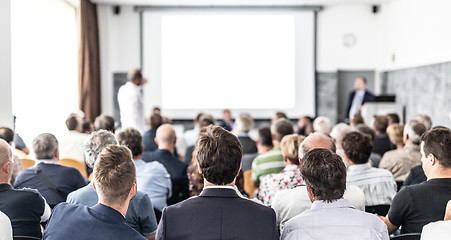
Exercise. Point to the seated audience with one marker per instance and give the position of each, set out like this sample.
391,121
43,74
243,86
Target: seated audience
87,127
50,178
6,231
19,144
375,158
416,175
381,140
71,145
400,161
322,125
396,134
272,161
337,134
356,120
424,119
204,120
378,185
331,216
305,126
140,215
7,134
393,118
106,122
289,203
155,121
218,212
243,124
165,140
190,136
417,205
26,208
277,116
152,178
115,183
227,120
440,230
289,177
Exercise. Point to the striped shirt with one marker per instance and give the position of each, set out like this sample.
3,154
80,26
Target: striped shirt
267,163
378,185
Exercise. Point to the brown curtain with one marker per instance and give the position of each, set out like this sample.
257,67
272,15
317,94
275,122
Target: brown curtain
89,63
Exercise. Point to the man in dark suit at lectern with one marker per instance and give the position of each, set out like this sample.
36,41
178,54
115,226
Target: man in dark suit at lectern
219,212
358,97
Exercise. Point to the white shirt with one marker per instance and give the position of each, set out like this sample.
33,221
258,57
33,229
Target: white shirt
335,220
289,203
72,146
440,230
130,99
6,231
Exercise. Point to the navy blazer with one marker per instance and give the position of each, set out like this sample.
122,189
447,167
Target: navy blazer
99,222
218,213
368,97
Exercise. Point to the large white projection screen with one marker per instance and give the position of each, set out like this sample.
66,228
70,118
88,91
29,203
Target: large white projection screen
252,61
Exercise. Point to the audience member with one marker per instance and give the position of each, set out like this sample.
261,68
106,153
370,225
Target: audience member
395,132
71,145
381,141
155,121
190,136
105,122
289,177
356,120
218,153
400,161
393,118
424,119
337,134
243,124
204,120
50,178
416,175
115,183
375,158
305,126
322,125
140,215
378,185
87,127
272,161
358,97
331,216
131,101
290,203
417,205
227,120
26,208
440,230
277,116
20,144
152,178
7,134
165,140
6,231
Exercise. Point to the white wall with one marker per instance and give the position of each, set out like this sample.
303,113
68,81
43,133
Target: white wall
6,118
119,47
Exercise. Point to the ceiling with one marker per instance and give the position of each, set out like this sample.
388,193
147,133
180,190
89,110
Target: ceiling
239,2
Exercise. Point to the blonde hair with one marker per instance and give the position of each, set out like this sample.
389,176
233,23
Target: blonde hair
395,133
290,147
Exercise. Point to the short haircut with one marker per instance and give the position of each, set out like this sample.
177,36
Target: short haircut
279,115
244,123
290,147
206,120
86,127
198,116
264,136
132,139
218,153
7,134
44,146
322,125
104,121
324,173
365,129
339,131
414,129
316,140
424,119
393,117
357,119
134,74
281,127
95,143
357,147
395,133
114,174
380,123
72,121
437,142
363,79
155,120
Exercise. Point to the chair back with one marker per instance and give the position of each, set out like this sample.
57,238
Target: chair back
21,154
407,236
27,163
248,183
68,162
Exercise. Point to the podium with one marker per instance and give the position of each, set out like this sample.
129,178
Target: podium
381,108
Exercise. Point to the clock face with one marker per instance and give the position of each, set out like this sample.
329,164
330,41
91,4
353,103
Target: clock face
349,40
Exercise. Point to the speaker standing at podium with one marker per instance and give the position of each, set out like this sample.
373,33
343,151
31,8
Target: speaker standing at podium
358,97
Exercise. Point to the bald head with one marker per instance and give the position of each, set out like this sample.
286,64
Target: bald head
165,137
5,157
316,140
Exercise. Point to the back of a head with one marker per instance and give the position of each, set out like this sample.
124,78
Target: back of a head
281,127
424,119
357,119
395,133
5,153
218,153
380,123
393,118
414,129
96,142
198,116
324,173
132,139
155,120
206,120
73,121
339,131
243,124
365,129
166,134
290,147
44,146
322,125
264,136
7,134
437,142
357,147
134,74
316,140
104,121
114,174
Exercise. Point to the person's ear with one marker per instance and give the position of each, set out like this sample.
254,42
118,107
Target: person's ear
198,168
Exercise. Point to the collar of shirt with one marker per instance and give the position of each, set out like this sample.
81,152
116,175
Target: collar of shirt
229,187
359,167
291,167
47,161
360,92
339,203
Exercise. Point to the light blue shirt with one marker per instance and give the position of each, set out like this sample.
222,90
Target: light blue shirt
153,179
356,102
335,220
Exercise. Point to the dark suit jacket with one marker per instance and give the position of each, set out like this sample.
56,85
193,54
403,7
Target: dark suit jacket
249,145
149,140
218,214
71,221
368,97
177,170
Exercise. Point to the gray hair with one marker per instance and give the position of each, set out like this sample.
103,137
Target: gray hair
339,131
96,142
281,127
322,125
44,146
316,140
414,129
243,124
424,119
